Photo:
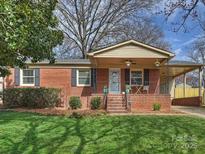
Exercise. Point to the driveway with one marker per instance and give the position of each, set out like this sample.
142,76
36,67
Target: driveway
197,111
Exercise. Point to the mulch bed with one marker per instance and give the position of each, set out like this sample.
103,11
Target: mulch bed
68,112
58,111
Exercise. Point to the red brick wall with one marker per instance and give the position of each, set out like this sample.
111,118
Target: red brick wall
9,80
102,79
189,101
61,78
154,81
57,78
144,103
122,80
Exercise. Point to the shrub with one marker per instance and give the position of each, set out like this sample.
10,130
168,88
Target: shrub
95,103
75,102
156,106
31,97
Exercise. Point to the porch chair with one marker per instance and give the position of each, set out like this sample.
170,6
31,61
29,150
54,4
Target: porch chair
146,88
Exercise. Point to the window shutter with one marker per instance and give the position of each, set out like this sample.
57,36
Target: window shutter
37,77
73,77
17,76
146,77
127,76
93,78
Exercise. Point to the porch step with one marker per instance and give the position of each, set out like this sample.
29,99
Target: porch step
116,104
116,108
117,111
115,99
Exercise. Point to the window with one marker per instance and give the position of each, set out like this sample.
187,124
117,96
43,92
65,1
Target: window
27,77
136,77
83,77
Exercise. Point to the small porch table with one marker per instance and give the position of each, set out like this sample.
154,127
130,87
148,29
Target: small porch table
139,89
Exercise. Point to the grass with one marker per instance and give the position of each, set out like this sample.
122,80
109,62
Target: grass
32,133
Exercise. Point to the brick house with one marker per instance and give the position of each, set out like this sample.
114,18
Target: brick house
133,75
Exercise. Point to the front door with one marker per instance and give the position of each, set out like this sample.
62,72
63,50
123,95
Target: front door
114,81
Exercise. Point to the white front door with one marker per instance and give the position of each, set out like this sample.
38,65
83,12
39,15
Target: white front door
114,81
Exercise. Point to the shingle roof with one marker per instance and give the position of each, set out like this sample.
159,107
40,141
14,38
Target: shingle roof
66,61
182,62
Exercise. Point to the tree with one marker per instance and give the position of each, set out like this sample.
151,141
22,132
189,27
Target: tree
27,32
143,30
86,23
197,53
186,9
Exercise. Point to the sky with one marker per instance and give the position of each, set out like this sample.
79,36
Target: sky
180,41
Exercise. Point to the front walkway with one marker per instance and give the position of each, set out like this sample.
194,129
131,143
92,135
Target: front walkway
197,111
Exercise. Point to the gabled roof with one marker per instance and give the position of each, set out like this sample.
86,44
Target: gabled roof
137,43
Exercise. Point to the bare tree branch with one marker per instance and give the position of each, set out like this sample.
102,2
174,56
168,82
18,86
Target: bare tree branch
88,22
185,10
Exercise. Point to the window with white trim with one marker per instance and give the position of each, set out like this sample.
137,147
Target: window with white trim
136,77
84,77
27,77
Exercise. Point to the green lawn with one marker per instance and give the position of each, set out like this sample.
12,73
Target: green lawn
31,133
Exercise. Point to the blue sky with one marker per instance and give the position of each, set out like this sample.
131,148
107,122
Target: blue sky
180,41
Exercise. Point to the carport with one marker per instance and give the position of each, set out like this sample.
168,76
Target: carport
174,69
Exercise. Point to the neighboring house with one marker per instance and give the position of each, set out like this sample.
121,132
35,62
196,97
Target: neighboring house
144,68
181,85
191,81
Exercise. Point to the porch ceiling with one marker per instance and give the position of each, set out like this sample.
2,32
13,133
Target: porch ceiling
177,70
120,62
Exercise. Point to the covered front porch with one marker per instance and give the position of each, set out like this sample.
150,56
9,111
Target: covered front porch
137,89
142,74
130,70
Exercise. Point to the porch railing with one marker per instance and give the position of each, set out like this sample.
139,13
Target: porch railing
153,87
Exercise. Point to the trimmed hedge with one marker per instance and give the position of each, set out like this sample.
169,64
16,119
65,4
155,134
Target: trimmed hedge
95,103
75,102
31,97
156,106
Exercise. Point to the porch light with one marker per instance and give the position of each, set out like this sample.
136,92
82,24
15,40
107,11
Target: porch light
128,63
157,63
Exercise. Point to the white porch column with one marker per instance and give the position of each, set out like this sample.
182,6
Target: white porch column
184,85
200,81
172,87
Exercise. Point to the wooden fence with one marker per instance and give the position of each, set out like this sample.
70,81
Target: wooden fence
189,92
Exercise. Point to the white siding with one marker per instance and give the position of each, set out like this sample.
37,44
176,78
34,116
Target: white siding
131,51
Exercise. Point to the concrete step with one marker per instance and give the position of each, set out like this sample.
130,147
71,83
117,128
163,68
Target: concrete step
117,111
116,105
115,99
